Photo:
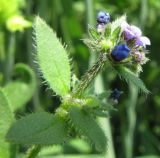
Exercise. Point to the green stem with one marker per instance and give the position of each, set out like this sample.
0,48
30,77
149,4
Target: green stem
33,152
143,13
91,74
131,106
90,12
131,117
10,58
98,84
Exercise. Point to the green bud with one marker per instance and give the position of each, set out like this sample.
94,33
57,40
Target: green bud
106,44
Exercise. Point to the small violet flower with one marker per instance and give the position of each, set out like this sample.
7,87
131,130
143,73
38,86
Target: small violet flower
143,41
133,32
120,52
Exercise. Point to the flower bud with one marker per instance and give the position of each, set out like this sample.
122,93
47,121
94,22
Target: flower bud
106,44
139,56
101,28
103,17
120,52
115,95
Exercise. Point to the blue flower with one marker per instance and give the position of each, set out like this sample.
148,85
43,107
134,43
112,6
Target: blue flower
103,17
120,52
115,95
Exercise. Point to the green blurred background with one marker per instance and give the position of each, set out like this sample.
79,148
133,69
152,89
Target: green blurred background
136,124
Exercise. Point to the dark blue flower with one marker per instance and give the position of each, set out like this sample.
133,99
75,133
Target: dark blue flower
120,52
103,17
115,95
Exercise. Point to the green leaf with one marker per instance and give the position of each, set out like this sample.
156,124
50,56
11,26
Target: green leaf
39,128
100,113
6,118
93,32
108,30
87,126
148,156
20,91
117,23
104,95
74,156
52,58
129,76
116,34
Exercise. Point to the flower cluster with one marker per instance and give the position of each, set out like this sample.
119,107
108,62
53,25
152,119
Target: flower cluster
124,43
132,36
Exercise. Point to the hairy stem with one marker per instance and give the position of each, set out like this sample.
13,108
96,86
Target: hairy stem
33,152
98,85
91,74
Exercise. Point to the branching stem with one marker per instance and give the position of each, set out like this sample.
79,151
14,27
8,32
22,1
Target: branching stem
91,74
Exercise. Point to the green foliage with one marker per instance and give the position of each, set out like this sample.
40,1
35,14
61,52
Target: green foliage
6,118
52,58
39,128
87,126
69,24
129,76
148,156
93,32
99,105
116,34
117,24
19,92
75,156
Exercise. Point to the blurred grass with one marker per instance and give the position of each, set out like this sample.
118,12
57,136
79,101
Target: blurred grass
69,18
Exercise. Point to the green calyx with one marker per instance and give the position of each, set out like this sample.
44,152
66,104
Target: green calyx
106,44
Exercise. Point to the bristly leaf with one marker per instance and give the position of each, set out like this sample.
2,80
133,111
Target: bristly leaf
52,58
129,76
108,30
93,33
84,123
116,34
6,118
39,128
19,92
117,23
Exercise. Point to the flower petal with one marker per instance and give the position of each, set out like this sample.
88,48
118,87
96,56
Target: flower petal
124,25
137,31
128,34
145,40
